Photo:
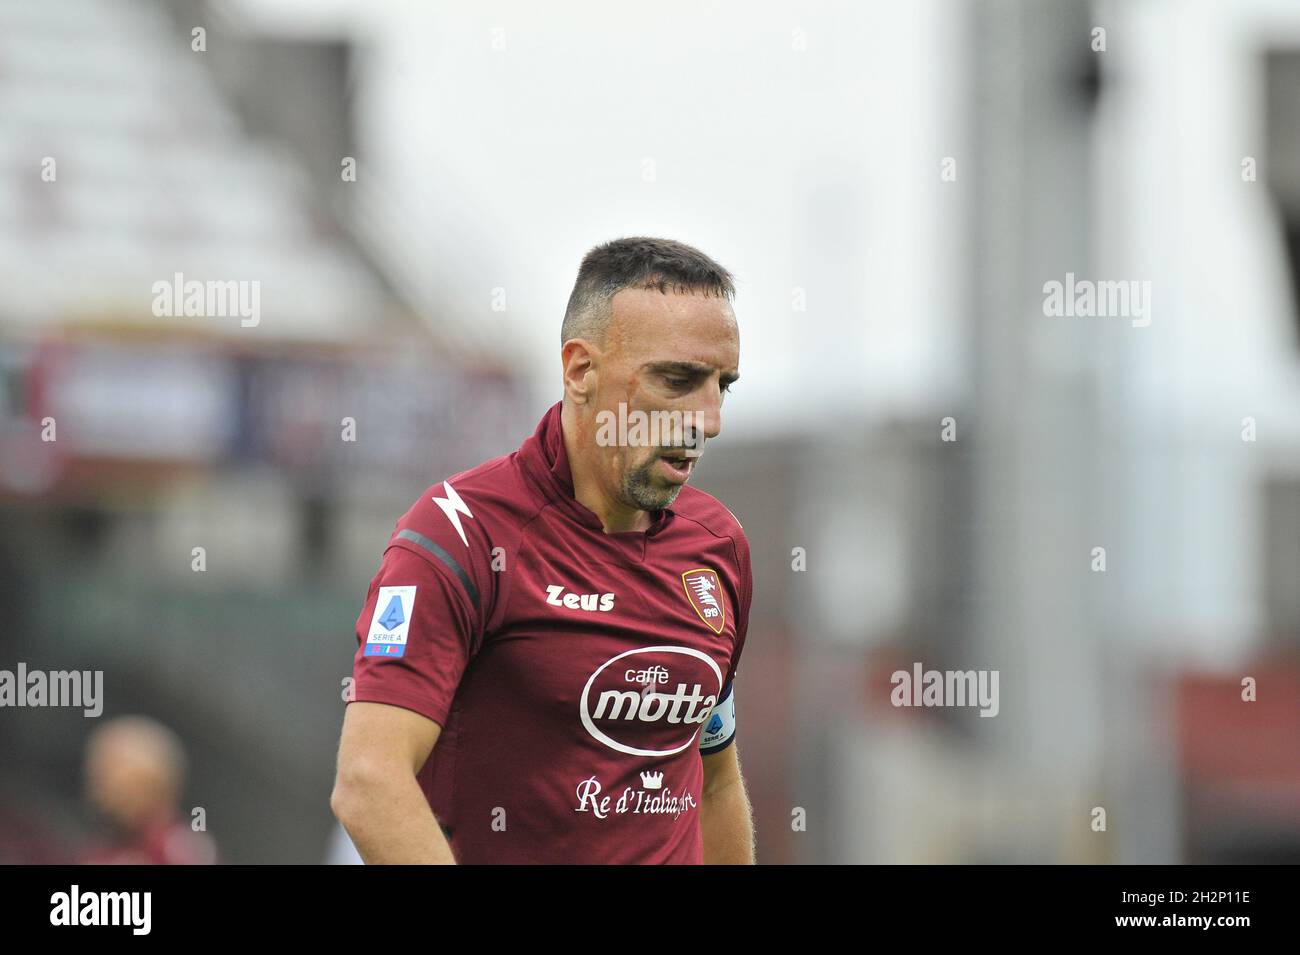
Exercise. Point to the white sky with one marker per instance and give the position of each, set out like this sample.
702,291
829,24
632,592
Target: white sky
499,168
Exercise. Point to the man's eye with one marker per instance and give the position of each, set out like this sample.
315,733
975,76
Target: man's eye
726,389
677,382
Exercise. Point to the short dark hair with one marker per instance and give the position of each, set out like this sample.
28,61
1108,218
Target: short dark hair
636,262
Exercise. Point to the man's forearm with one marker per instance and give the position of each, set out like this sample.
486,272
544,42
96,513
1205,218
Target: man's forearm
391,823
726,822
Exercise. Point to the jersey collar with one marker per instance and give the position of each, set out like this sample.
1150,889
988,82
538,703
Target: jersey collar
547,462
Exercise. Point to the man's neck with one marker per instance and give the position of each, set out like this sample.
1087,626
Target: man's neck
615,516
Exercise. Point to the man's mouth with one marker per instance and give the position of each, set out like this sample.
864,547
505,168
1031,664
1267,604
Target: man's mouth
679,463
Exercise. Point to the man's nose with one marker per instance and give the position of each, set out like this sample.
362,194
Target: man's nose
709,417
712,424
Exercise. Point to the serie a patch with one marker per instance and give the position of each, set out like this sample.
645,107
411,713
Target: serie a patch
392,620
720,728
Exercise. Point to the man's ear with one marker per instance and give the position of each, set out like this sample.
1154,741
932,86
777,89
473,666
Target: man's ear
580,359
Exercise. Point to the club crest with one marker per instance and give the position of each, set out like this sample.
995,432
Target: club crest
704,591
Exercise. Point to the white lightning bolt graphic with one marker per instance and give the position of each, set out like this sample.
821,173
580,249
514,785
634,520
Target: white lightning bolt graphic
452,506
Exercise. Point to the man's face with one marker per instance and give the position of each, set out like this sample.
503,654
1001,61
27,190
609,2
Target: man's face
668,360
128,777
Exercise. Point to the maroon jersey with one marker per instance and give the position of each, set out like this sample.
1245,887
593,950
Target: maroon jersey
577,675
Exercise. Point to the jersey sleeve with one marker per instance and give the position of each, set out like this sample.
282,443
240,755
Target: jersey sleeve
422,622
720,728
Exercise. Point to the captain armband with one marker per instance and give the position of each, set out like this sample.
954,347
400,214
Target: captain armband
720,727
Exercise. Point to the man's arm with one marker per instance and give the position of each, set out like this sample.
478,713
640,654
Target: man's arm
726,819
376,795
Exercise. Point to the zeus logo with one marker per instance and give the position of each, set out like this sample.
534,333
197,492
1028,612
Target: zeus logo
453,507
578,601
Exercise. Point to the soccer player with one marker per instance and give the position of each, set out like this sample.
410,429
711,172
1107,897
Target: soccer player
546,656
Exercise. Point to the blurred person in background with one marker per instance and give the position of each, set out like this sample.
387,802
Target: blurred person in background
135,773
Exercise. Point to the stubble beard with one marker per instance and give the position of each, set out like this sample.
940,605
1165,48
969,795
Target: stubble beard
641,489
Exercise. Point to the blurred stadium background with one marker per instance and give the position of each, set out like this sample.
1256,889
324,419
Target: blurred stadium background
882,289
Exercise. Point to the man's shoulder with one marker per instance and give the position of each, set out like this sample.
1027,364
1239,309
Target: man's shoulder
483,507
702,508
